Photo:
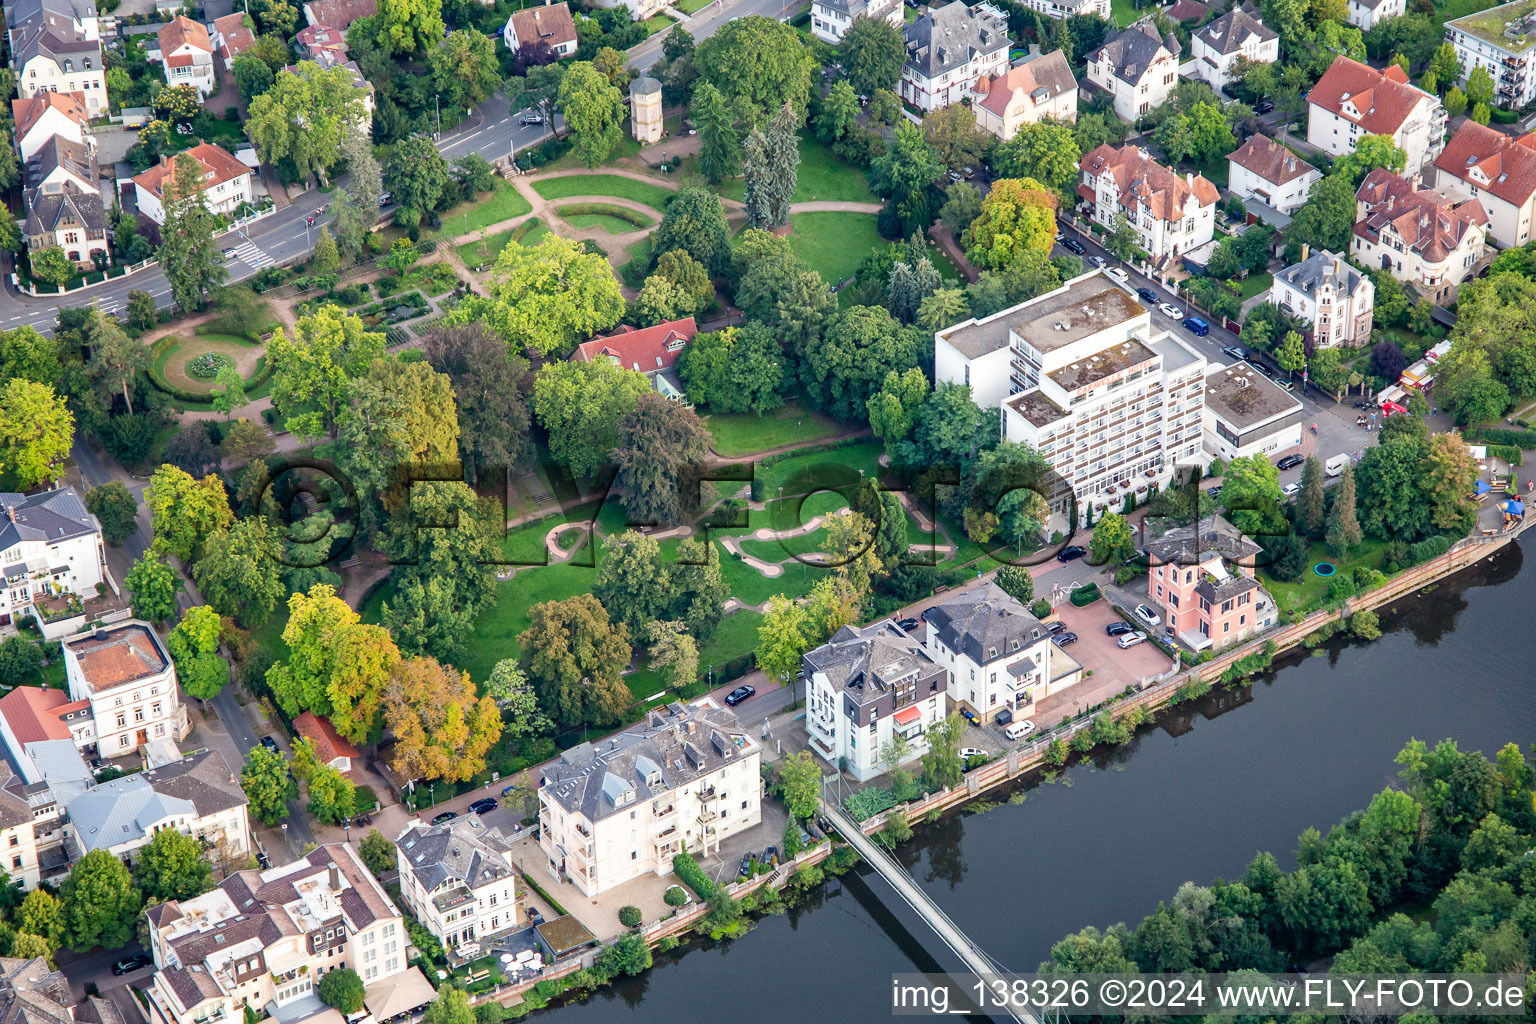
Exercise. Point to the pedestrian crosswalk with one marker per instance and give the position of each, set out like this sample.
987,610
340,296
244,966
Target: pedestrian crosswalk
251,253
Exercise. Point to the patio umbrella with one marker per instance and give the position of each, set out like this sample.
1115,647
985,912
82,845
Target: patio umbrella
1481,487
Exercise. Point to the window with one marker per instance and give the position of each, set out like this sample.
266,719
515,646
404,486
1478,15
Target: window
15,862
15,841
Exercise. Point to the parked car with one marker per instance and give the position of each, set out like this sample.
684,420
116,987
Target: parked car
1145,613
1291,490
1018,730
972,752
826,826
1074,245
1062,639
1060,236
1263,107
1118,628
483,806
1097,260
1288,385
269,743
1290,462
1055,627
1147,295
1130,640
445,816
969,716
955,177
1235,351
1071,552
1214,492
1195,325
745,871
530,119
1117,274
507,790
534,917
385,198
1171,311
131,964
740,694
908,624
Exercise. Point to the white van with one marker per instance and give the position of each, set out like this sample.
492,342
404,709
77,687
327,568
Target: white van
1018,730
1335,466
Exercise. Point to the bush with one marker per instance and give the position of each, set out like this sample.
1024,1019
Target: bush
868,802
1040,609
693,876
1522,439
1085,595
675,896
630,917
1424,550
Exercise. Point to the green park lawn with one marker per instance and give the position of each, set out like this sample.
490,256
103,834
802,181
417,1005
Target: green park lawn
745,432
736,637
527,233
822,177
834,244
1311,590
603,221
844,462
565,187
504,203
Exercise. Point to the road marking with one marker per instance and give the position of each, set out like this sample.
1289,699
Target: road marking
251,253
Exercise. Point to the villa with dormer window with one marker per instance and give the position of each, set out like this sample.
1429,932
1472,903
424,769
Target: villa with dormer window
1499,172
1354,99
226,182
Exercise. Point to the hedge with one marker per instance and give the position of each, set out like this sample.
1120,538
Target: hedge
1431,547
546,897
1522,439
158,349
628,216
1085,595
693,876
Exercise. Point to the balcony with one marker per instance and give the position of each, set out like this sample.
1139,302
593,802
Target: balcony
583,830
663,812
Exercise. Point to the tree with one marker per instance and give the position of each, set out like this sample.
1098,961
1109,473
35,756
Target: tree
844,368
465,68
1455,102
451,1006
580,405
25,353
192,451
307,114
378,853
1017,583
800,785
783,638
613,65
189,254
904,177
541,89
1112,540
1122,241
962,206
1465,382
490,394
1343,530
240,571
942,763
719,142
313,374
1448,473
772,160
37,431
692,280
1325,220
954,138
546,297
1018,215
100,902
871,54
758,64
342,988
252,76
574,656
754,172
42,914
194,647
1388,361
1250,492
1292,353
21,659
1372,152
1046,151
893,409
674,652
327,257
633,583
355,218
408,26
662,447
1479,87
594,111
416,174
510,688
185,512
694,223
268,785
246,441
152,584
839,113
1309,503
699,591
332,796
51,266
172,867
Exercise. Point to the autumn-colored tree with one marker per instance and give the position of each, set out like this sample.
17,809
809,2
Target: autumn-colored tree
36,431
336,666
442,728
574,654
185,512
1018,215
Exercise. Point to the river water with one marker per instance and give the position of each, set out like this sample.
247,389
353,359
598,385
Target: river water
1193,798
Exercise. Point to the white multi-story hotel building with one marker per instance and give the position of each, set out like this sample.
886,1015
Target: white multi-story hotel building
129,681
866,686
458,879
1081,376
1502,41
1496,170
625,806
1334,299
1171,215
1354,99
50,548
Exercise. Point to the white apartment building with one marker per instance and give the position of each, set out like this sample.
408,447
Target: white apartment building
1354,99
1040,86
50,551
1081,377
125,674
1172,215
1496,170
948,50
625,806
18,829
865,687
48,115
1246,413
226,182
831,18
1238,33
1138,68
1502,41
458,880
1423,238
995,655
56,47
1334,299
1062,9
263,939
1364,14
186,53
1263,169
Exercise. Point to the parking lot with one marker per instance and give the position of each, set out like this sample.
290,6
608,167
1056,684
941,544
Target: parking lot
1113,668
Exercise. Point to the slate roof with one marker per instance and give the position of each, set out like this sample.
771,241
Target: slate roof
14,810
1378,101
50,516
93,1010
1132,52
1042,77
1211,537
21,12
1492,161
648,349
671,748
1218,590
1142,181
31,993
460,851
57,42
1228,33
46,213
866,661
122,811
119,654
1188,10
1269,160
1430,223
1319,268
204,778
950,37
982,620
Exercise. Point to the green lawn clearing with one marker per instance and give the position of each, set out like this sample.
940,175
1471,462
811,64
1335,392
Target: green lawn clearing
504,203
602,221
1311,590
822,177
527,233
693,6
567,186
745,432
834,244
1253,285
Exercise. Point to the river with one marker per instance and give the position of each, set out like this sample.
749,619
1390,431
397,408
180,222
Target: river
1192,798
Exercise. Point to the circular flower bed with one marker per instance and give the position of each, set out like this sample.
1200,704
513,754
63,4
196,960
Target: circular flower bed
208,365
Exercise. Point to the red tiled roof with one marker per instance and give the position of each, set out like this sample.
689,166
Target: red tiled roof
1048,72
1429,223
236,37
183,31
1380,101
184,60
34,714
1270,160
552,25
28,112
214,160
1506,167
1145,182
648,350
1188,10
316,38
340,13
322,734
117,655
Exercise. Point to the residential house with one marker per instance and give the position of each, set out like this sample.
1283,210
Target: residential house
652,351
50,548
1137,68
74,221
950,49
1331,297
124,672
1263,169
45,115
551,25
226,182
866,687
31,992
338,14
1238,33
263,940
60,165
232,35
1364,14
321,43
19,855
995,654
187,54
1246,413
198,796
639,10
1502,41
30,715
623,807
68,17
1063,9
1422,237
1040,86
1354,99
330,749
1496,170
1190,12
831,18
57,58
458,880
1171,215
1201,576
1082,378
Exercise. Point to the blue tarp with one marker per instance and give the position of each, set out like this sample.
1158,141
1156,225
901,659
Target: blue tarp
1514,508
1481,487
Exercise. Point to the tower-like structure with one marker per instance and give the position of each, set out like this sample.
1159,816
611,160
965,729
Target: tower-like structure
645,109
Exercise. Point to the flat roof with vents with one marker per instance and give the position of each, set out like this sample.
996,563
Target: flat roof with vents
1106,362
1080,308
1242,397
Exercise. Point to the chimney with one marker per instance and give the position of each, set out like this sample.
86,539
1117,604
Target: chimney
10,510
1306,250
335,877
1337,266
